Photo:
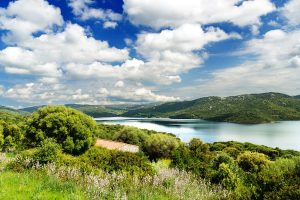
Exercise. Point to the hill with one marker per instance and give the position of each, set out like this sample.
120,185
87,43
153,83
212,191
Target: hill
245,109
9,114
92,110
100,110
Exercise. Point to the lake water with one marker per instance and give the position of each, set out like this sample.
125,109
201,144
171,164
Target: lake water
285,135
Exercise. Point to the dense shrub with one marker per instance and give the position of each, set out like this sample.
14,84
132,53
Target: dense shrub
48,152
160,146
109,161
71,129
11,136
132,135
198,148
280,179
252,161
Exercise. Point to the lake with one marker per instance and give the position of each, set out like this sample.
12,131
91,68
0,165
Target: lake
285,135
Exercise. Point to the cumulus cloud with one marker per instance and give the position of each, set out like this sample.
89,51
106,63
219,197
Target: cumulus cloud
48,54
291,11
21,20
83,10
173,13
276,68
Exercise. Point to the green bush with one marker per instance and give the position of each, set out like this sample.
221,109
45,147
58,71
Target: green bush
71,129
109,160
160,146
132,135
11,136
252,161
48,152
280,179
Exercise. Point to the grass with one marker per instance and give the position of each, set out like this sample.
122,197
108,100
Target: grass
34,185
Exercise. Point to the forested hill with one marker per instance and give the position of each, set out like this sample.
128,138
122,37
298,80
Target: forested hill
246,109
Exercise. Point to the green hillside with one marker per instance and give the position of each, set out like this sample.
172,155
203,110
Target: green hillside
9,114
246,109
100,110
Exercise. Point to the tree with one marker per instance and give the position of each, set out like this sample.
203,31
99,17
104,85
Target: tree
71,129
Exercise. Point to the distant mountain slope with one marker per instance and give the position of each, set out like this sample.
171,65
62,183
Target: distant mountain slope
297,97
247,109
92,110
100,110
9,114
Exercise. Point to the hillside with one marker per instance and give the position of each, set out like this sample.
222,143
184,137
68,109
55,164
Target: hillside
9,114
246,109
100,110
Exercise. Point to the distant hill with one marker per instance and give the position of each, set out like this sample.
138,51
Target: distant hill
11,115
100,110
297,97
246,109
92,110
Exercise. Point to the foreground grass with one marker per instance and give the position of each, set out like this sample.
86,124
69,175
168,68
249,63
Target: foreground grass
60,182
35,185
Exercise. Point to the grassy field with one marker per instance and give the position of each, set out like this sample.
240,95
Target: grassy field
34,185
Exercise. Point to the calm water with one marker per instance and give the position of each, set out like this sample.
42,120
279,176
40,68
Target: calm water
285,135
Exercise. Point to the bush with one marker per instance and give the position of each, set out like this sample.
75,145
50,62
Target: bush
132,135
48,152
198,148
160,146
71,129
109,161
252,161
11,136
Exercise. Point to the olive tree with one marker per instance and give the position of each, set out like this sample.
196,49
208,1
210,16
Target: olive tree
71,129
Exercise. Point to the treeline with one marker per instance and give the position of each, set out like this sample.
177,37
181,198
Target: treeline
66,137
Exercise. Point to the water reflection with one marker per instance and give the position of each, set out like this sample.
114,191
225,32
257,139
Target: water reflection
285,135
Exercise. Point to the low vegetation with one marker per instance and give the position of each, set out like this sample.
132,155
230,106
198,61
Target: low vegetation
51,153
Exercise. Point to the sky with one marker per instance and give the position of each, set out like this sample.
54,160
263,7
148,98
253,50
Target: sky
138,51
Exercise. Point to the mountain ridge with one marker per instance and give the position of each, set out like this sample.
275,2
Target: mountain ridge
244,109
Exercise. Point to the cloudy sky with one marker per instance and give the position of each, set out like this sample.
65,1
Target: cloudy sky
132,51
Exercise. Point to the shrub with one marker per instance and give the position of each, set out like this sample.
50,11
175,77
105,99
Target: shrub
11,136
198,148
48,152
160,146
132,135
109,161
252,161
71,129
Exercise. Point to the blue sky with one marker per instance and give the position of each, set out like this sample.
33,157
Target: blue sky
133,51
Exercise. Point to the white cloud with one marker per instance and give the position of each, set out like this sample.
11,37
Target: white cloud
172,52
47,54
276,68
173,13
109,24
83,10
291,11
22,20
119,84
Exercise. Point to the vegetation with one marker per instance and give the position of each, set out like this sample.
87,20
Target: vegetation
245,109
70,128
47,164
